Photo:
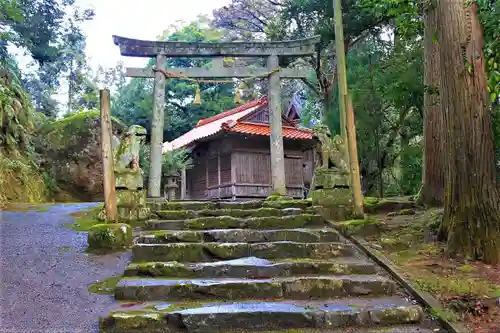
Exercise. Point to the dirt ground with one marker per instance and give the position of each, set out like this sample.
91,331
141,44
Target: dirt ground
468,290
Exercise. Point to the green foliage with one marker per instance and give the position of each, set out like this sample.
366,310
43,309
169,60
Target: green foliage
489,15
21,178
16,117
387,87
176,160
134,103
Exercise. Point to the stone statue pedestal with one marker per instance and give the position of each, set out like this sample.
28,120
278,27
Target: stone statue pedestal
132,205
333,193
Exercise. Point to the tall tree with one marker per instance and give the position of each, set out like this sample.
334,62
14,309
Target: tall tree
471,221
432,191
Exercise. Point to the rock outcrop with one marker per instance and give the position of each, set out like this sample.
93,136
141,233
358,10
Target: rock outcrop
73,155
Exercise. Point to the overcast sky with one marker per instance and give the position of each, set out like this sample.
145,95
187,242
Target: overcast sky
145,19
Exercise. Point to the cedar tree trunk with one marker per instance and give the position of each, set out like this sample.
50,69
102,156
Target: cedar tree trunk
433,173
471,220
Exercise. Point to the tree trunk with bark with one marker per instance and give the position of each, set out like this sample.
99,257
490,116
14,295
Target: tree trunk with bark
471,221
432,192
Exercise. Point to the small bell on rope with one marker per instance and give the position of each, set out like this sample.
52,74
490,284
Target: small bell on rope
237,96
197,97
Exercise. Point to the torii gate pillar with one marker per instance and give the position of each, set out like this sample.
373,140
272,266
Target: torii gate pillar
157,124
276,128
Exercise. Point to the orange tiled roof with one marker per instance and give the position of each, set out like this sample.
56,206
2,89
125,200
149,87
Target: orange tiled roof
264,129
230,121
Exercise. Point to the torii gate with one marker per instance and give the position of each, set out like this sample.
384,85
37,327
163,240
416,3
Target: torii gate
269,50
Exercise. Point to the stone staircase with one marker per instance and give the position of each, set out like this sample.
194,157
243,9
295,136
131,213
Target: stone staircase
259,266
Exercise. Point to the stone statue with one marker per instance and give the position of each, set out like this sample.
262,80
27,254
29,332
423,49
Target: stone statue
331,153
128,173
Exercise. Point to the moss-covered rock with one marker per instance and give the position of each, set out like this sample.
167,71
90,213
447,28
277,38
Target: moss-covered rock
168,269
109,236
364,227
377,206
410,314
73,152
135,321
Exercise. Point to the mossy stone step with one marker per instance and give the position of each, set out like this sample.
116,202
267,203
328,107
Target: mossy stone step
229,222
259,212
251,268
203,205
313,287
239,235
209,252
284,316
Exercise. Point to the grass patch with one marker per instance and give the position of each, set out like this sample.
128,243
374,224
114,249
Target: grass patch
445,315
64,249
438,285
105,287
85,219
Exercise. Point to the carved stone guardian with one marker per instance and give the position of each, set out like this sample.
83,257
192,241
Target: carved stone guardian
131,198
331,180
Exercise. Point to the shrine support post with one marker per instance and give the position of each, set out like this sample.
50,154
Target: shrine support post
276,137
107,158
157,121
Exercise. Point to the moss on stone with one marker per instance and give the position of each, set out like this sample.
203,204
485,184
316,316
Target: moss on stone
109,236
183,306
220,222
136,320
285,222
363,227
183,206
226,251
398,315
388,205
370,201
185,252
170,269
283,204
238,212
106,287
176,214
278,197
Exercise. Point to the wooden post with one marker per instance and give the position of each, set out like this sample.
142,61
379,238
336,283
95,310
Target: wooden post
183,184
341,66
276,138
157,121
107,158
353,159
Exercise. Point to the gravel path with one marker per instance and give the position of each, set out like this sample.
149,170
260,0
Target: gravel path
45,272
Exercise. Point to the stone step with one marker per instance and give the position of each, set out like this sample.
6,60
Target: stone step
239,235
251,267
259,212
328,315
229,222
209,252
205,205
311,287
